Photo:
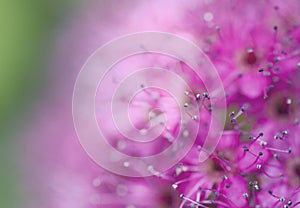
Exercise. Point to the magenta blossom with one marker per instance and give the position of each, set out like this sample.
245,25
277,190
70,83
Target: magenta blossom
255,47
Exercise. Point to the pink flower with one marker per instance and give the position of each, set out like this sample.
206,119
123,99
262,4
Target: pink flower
254,45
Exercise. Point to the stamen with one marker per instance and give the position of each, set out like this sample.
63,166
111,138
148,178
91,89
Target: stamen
284,133
198,196
280,198
222,163
240,112
246,195
256,138
218,29
158,174
217,193
281,176
279,150
190,95
276,137
269,88
195,117
176,184
192,201
205,95
181,168
255,185
256,159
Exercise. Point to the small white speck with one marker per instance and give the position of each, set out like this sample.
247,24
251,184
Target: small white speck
185,133
121,190
208,16
152,115
195,117
126,164
245,195
174,186
155,95
250,50
289,101
150,168
97,182
121,145
143,132
168,136
181,169
256,187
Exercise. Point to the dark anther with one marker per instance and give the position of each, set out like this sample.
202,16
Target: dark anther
246,149
260,154
281,199
232,121
260,70
271,87
277,137
205,94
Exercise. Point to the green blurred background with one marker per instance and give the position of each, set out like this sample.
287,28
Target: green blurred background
27,29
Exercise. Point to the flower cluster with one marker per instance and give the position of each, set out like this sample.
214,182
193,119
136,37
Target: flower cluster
255,46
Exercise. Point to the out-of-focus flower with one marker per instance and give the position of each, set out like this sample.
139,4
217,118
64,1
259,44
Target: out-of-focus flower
255,46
